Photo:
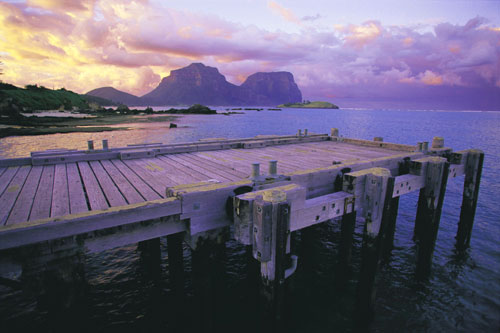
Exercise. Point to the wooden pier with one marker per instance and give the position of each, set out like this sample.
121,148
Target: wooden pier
57,203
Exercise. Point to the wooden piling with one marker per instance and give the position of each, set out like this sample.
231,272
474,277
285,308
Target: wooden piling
175,263
208,269
271,221
347,226
430,203
151,257
473,172
379,189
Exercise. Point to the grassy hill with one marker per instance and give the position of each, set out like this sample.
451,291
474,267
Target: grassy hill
310,105
34,97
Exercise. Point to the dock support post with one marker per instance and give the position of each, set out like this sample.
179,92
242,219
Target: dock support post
271,235
151,255
175,263
390,229
208,267
377,213
176,274
473,172
430,203
347,226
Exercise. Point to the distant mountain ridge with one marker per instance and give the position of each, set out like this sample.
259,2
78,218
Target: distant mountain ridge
200,84
115,95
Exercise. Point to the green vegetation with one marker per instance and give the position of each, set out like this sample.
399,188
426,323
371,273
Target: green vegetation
35,97
310,105
16,102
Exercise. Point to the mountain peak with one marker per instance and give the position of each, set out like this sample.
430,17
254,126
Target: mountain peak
201,84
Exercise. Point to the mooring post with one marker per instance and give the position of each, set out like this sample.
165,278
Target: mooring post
430,203
105,144
271,235
473,170
334,132
378,190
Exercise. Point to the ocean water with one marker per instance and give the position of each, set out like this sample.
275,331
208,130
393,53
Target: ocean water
462,293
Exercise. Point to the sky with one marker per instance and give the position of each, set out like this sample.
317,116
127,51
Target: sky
427,54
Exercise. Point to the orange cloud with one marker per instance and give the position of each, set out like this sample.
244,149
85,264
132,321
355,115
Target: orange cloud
286,13
431,79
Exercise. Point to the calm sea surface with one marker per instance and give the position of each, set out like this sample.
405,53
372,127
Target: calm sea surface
463,293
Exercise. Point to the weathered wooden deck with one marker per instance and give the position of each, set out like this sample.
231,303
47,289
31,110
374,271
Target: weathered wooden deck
99,199
53,189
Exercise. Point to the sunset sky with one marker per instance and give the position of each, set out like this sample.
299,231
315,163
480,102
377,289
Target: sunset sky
386,53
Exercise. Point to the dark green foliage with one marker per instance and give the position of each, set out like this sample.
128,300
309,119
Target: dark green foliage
7,86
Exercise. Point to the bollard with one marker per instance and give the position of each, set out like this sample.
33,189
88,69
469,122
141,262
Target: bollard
334,132
305,132
255,170
299,133
425,146
273,168
437,142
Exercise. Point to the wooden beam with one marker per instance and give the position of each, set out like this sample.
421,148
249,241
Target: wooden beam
70,225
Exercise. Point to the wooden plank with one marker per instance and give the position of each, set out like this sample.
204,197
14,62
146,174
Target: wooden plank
238,164
332,151
7,177
201,170
128,191
389,145
353,150
267,154
95,196
22,207
112,193
181,174
43,197
10,195
253,156
159,174
77,200
155,182
15,161
206,158
144,189
208,167
60,195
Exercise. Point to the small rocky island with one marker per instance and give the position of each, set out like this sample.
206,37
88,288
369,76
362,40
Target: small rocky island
309,105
